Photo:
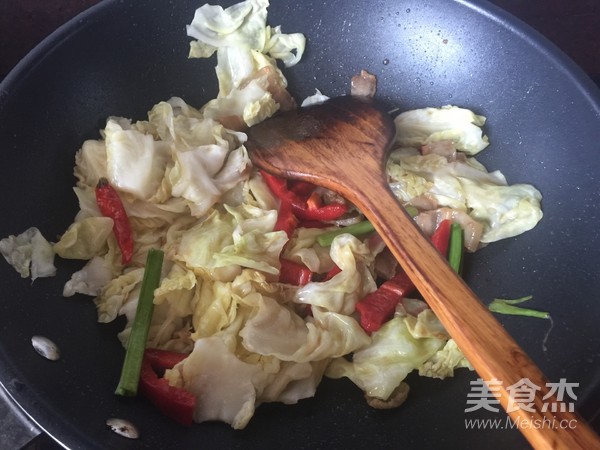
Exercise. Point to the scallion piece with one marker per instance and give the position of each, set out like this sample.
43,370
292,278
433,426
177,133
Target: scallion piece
356,229
455,247
504,306
411,210
136,344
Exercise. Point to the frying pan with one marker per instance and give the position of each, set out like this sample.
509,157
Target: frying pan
122,57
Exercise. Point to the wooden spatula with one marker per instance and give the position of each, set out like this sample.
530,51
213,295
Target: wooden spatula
343,145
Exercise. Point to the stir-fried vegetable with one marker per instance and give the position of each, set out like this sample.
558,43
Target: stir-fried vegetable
506,306
304,203
174,402
268,284
357,229
456,248
379,306
130,373
110,205
294,273
441,238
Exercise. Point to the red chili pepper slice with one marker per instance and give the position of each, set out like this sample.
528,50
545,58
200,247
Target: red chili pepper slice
441,236
301,188
174,402
379,306
162,360
279,188
332,273
332,211
304,205
294,273
110,205
286,221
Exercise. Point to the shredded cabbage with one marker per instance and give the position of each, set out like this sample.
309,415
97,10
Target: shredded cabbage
188,187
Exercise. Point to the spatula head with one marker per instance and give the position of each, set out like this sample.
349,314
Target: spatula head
344,137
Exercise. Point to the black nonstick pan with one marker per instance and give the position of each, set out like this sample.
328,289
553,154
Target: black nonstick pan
122,57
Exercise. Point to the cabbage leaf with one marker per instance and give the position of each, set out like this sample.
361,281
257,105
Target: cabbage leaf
355,281
29,253
85,239
449,123
329,335
242,26
226,386
379,368
135,162
444,362
503,210
91,279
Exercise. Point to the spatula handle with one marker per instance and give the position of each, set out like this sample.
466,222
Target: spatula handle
490,349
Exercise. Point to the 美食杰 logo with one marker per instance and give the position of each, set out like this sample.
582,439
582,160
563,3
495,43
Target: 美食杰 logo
559,397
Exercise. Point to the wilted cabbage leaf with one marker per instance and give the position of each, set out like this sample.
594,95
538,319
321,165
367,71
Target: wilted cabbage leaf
448,123
465,185
91,279
355,281
379,368
29,253
85,239
188,187
242,26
